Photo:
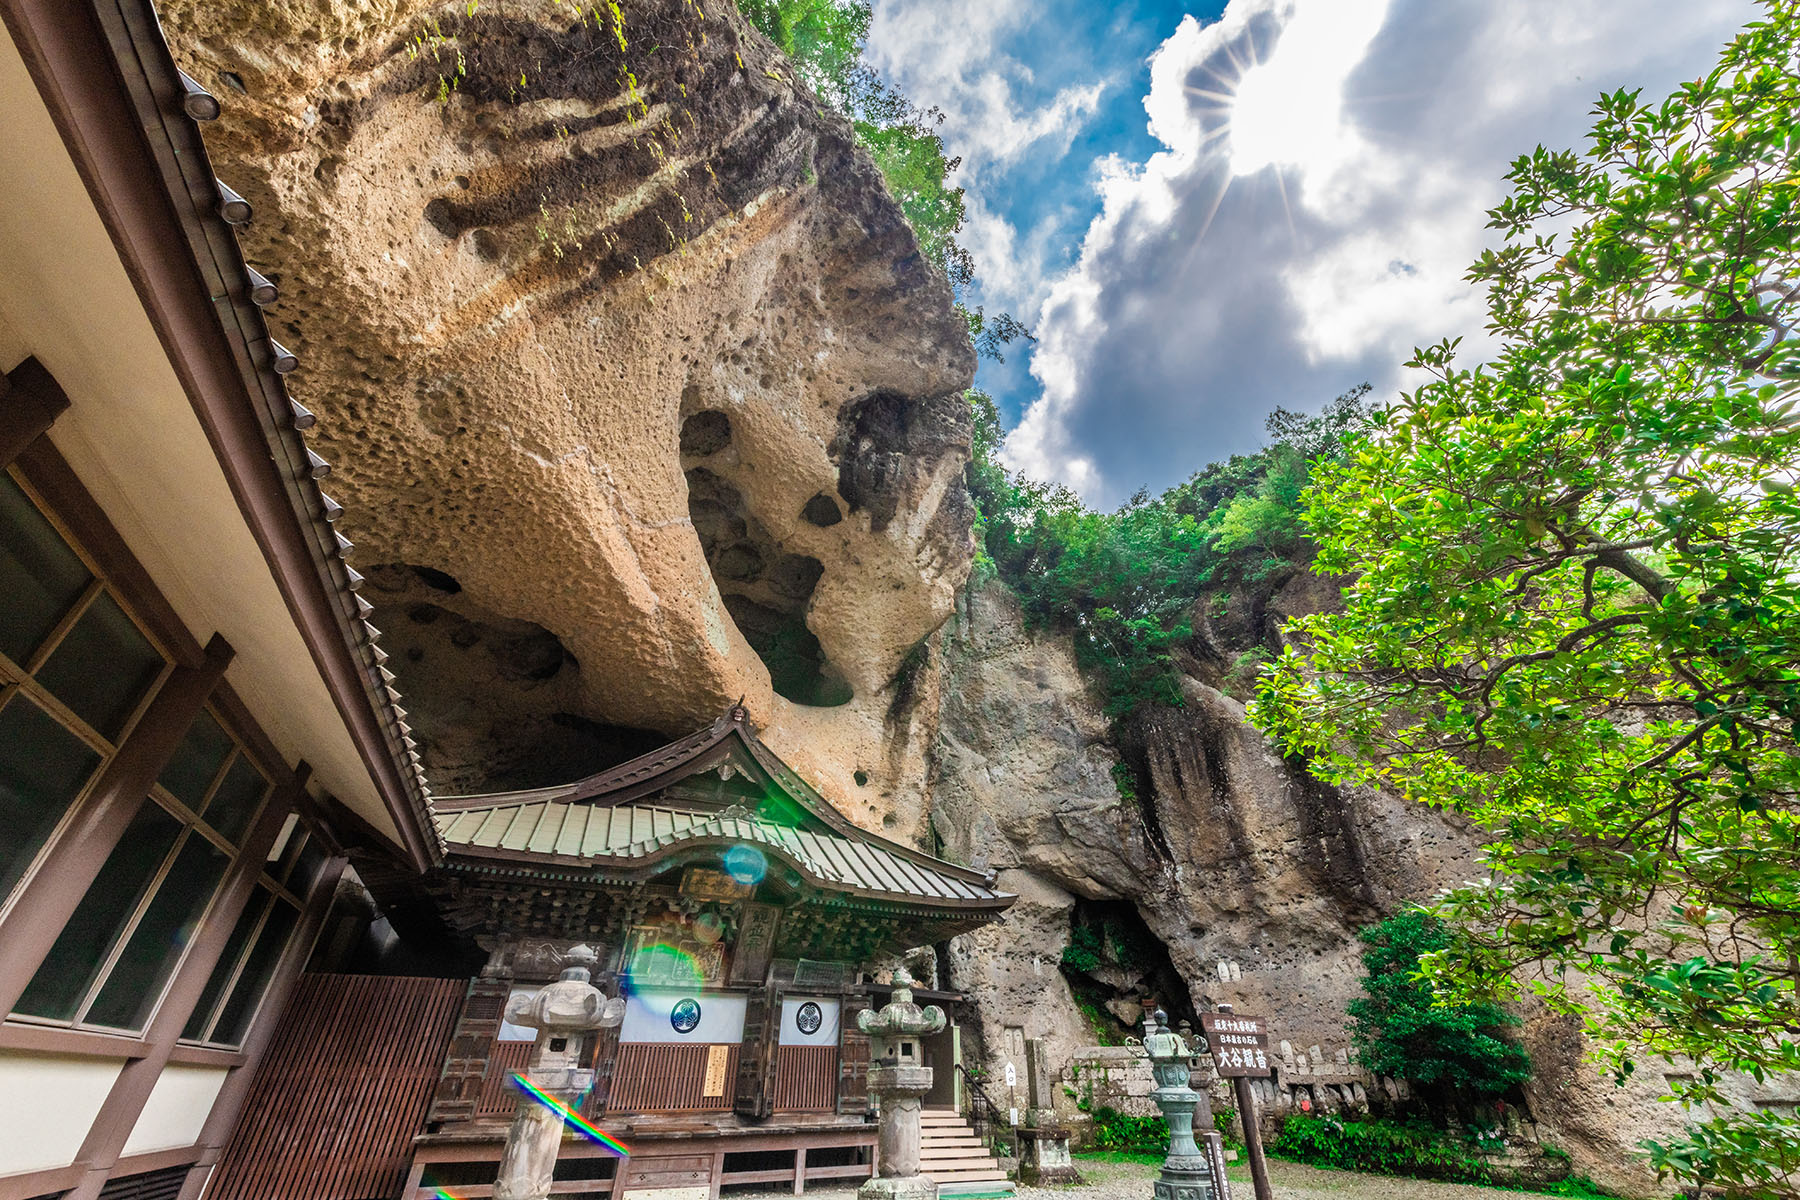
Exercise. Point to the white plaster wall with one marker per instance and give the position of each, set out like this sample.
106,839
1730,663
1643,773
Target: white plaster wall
176,1109
47,1105
647,1017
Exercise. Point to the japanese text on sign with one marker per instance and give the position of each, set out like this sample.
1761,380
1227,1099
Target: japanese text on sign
716,1059
1240,1045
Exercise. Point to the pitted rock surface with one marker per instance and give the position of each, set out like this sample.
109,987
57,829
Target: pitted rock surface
533,264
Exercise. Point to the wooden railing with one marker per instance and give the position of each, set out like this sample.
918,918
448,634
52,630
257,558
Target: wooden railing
651,1077
806,1079
991,1123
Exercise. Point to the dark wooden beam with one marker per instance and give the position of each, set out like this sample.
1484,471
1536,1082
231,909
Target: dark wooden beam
31,1185
30,402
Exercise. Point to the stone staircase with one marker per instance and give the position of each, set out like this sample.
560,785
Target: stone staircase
955,1159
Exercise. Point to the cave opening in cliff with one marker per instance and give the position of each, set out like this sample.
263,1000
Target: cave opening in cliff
495,702
765,589
1119,970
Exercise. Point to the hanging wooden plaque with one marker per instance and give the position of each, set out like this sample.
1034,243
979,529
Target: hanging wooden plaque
755,944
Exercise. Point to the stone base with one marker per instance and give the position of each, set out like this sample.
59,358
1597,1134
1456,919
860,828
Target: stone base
1185,1185
892,1187
1060,1176
1044,1157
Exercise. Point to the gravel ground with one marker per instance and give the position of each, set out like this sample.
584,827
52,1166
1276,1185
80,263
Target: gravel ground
1131,1181
1290,1181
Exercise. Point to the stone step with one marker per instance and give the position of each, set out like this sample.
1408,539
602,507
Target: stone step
971,1162
951,1156
969,1175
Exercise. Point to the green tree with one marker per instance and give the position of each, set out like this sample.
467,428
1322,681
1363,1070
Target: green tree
1400,1029
1576,613
1123,584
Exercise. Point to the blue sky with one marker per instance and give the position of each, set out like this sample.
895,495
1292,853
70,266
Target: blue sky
1209,210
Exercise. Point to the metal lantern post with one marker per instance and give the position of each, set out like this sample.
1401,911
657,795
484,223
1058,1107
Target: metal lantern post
1187,1172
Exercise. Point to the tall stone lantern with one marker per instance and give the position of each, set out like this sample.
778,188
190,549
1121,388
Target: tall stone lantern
1186,1173
565,1014
898,1077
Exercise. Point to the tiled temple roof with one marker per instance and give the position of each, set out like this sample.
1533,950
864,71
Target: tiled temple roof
618,819
643,831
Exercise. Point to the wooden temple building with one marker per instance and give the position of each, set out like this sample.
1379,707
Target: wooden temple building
210,795
735,911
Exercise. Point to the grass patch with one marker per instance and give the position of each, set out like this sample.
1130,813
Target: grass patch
1150,1157
1414,1149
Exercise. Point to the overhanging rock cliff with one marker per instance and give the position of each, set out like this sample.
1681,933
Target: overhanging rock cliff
635,385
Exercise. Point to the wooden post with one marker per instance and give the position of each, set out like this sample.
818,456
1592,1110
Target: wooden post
131,1090
222,1120
1253,1148
30,401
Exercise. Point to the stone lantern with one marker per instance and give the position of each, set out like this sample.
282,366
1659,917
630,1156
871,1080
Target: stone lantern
898,1077
1187,1174
565,1014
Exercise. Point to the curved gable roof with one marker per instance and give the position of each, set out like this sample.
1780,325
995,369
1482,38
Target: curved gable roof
609,820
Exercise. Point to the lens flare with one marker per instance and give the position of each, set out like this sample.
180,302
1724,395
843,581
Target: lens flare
663,965
570,1117
746,864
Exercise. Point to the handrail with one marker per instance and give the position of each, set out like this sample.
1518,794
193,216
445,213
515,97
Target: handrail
991,1122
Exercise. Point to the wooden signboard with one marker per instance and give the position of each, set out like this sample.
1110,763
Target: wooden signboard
716,1059
1213,1146
1240,1045
703,883
755,944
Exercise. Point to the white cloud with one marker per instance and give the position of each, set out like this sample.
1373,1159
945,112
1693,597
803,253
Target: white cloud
1312,242
948,54
1136,203
1289,109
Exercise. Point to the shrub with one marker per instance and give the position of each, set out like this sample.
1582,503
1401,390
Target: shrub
1416,1148
1086,946
1115,1130
1400,1029
1222,1121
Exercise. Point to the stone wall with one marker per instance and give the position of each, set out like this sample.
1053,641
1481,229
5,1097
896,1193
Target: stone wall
1308,1080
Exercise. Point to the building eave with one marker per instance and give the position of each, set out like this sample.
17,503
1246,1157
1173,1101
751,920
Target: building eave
600,871
111,87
